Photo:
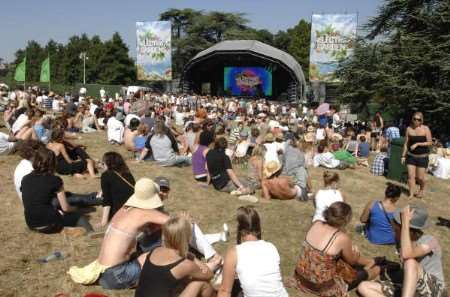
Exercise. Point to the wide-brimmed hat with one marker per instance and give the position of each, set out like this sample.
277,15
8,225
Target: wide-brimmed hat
310,129
418,221
270,168
269,137
145,195
337,136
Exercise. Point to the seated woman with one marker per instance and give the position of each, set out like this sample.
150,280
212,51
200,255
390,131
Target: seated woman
199,158
256,262
71,160
89,122
325,244
165,148
168,267
141,213
377,216
39,188
256,166
220,169
328,195
117,184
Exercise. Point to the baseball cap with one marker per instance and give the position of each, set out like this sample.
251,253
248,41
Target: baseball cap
163,182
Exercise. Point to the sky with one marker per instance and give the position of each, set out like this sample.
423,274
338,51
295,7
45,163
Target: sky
43,20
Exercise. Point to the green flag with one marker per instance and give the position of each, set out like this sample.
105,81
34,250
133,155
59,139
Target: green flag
45,71
20,70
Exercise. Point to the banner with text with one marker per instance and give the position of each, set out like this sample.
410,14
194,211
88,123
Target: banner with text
332,41
154,51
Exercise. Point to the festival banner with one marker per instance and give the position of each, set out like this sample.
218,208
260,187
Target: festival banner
154,52
45,71
332,41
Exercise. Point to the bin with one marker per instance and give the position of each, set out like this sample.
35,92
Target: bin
397,171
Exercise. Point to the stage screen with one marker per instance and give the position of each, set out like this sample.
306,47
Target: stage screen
247,81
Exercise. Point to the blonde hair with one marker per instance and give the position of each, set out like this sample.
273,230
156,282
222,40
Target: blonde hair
177,233
259,151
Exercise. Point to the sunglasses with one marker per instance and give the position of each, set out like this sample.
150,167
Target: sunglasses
417,119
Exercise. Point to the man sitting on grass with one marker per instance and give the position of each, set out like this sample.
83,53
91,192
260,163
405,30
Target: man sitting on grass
422,260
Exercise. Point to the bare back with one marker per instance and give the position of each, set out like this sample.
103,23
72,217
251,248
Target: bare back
320,235
120,238
281,188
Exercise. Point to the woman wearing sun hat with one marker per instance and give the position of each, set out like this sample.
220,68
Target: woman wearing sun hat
421,255
115,268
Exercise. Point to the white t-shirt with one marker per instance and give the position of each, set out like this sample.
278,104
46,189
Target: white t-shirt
23,168
56,105
179,118
320,134
326,160
272,151
19,123
258,269
115,130
324,198
5,145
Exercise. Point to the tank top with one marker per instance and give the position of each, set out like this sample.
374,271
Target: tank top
157,280
379,229
199,161
419,150
258,269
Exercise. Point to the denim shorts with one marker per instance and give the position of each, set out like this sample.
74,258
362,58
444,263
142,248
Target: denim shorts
122,276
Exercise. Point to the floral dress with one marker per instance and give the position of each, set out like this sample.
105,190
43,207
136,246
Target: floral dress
316,272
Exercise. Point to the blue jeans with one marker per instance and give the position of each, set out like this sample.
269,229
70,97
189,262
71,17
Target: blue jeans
122,276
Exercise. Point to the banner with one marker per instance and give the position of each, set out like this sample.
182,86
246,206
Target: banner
21,70
45,71
332,41
154,51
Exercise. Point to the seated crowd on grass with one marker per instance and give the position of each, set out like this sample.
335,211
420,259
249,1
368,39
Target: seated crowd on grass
251,149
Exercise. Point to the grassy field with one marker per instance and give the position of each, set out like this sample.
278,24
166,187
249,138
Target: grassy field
284,223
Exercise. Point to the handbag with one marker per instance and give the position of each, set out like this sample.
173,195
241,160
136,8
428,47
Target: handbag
346,271
124,179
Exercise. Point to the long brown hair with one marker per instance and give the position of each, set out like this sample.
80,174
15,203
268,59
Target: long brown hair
44,161
248,222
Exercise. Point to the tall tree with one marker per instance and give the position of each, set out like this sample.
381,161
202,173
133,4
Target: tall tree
409,68
117,66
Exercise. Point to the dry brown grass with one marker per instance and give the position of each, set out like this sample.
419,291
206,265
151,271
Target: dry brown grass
284,223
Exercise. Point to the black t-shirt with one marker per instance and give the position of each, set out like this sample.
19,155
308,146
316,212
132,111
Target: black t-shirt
115,190
218,163
38,190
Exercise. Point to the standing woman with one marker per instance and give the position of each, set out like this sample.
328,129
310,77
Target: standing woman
415,153
254,261
117,184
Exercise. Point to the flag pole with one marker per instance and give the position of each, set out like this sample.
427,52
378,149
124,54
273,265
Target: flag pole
25,73
49,73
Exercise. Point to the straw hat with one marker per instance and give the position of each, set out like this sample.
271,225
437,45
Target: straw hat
310,129
270,168
145,195
269,138
337,136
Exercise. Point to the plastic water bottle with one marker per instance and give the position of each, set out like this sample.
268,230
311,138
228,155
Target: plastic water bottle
56,255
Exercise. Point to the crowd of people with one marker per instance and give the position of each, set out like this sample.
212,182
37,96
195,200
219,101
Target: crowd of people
252,149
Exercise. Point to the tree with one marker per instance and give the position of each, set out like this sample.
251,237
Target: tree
300,39
409,69
117,66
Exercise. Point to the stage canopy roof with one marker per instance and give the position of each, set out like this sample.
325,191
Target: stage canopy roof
257,49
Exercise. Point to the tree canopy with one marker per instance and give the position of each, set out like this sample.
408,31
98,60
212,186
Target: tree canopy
403,64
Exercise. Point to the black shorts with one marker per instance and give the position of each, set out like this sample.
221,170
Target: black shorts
202,179
421,162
